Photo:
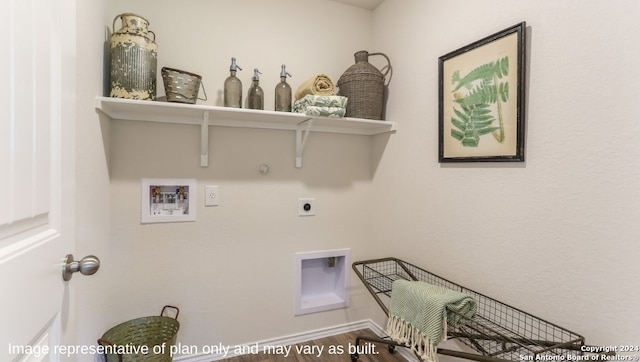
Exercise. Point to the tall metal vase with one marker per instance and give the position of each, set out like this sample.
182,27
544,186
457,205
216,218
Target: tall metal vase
134,59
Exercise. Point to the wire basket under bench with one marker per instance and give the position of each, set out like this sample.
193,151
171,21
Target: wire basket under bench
498,332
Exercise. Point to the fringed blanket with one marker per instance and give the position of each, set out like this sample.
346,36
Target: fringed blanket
419,313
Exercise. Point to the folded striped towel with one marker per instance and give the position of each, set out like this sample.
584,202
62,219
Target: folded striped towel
419,313
336,112
320,101
316,105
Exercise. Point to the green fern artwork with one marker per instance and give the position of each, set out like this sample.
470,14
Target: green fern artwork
477,109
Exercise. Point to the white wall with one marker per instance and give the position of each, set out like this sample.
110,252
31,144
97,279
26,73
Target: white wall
201,37
557,235
554,236
231,271
94,294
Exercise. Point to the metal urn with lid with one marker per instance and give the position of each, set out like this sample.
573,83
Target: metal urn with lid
134,59
364,85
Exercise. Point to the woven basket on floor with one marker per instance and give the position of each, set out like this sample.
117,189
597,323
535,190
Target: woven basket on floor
146,331
364,86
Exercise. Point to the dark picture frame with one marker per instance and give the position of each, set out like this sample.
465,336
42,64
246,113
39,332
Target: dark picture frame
482,99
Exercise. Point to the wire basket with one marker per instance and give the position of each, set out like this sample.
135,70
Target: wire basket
155,331
182,86
499,332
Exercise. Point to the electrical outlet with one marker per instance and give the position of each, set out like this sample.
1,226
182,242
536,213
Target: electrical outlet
211,196
306,207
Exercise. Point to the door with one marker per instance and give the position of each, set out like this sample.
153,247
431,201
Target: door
37,154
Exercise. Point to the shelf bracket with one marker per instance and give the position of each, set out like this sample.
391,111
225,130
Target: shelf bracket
204,140
301,139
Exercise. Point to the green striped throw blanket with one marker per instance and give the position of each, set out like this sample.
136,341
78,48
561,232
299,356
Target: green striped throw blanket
419,313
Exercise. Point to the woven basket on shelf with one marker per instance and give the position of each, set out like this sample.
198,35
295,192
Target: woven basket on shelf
146,331
364,86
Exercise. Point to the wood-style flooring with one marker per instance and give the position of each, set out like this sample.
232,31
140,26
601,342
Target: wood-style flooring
369,352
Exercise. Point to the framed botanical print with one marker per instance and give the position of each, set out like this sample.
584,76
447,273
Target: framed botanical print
482,99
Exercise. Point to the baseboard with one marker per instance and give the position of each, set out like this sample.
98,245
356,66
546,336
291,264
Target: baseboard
295,339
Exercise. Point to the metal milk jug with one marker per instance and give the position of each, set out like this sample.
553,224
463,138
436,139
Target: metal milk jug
134,59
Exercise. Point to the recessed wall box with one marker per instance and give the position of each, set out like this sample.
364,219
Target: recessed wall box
168,200
322,280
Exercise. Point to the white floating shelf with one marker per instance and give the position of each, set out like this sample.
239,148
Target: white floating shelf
205,116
